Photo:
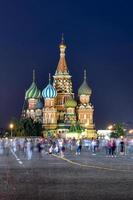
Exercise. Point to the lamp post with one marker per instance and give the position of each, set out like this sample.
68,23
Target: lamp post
110,127
11,128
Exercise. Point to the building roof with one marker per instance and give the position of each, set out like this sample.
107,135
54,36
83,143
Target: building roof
71,103
49,91
33,91
84,89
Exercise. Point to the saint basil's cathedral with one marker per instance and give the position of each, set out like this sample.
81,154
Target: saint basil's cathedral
56,108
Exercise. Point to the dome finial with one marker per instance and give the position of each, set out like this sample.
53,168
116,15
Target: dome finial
84,74
62,47
49,78
62,38
33,75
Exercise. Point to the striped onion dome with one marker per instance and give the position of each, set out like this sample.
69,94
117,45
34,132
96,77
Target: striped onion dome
70,103
49,91
84,88
33,91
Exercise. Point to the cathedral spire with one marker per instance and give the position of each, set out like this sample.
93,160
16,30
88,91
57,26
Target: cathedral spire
49,78
34,75
62,66
62,39
84,74
62,47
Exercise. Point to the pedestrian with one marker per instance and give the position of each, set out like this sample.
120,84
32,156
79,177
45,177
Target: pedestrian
113,147
56,149
7,146
14,145
93,146
97,144
79,146
122,145
50,151
29,149
1,147
62,151
108,149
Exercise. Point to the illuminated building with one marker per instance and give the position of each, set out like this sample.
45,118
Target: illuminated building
56,107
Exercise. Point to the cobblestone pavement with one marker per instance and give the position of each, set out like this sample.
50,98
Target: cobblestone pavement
76,177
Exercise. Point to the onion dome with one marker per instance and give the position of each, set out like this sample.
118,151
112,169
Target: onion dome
39,105
84,88
70,103
33,91
49,91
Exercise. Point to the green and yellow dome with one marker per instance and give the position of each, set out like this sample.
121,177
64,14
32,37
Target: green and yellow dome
84,88
70,103
33,91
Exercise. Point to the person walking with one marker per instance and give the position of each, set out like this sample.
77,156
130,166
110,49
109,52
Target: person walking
1,146
93,146
79,146
122,147
29,149
113,147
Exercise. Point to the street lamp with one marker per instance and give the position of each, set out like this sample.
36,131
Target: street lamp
110,127
11,127
130,131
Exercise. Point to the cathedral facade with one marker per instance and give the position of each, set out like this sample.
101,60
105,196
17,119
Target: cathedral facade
56,107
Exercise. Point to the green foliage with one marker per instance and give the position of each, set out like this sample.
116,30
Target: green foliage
26,127
76,128
118,130
73,128
17,127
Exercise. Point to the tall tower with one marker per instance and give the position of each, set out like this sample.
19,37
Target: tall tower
85,109
49,111
62,82
32,96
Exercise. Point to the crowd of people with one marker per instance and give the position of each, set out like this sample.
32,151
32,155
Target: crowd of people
27,146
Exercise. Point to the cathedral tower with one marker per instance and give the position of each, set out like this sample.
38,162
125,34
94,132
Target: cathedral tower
85,109
49,112
62,82
32,96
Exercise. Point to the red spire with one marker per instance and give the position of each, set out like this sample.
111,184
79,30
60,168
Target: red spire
62,66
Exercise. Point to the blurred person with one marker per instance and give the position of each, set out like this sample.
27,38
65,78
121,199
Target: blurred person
29,149
108,148
79,146
7,146
122,146
113,147
1,146
93,146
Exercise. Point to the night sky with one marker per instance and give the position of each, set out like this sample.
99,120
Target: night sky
99,37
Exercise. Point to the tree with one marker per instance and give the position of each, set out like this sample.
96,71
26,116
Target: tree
117,131
76,128
18,129
31,127
26,127
37,128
